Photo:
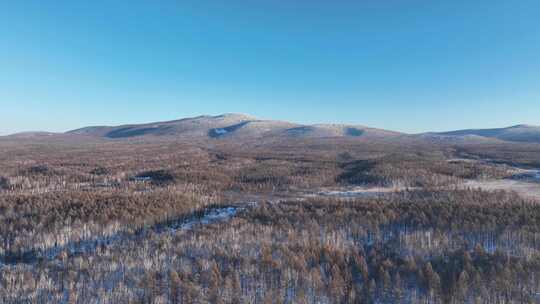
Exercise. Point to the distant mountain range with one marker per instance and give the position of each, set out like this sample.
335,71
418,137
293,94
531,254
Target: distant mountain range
238,126
521,133
232,126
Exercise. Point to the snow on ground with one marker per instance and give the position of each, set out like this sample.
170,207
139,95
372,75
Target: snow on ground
220,131
525,183
210,216
358,192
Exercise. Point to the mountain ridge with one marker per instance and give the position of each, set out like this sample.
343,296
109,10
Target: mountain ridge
231,125
516,133
238,126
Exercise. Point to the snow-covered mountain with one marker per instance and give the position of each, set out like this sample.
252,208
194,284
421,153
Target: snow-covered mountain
518,133
241,126
232,126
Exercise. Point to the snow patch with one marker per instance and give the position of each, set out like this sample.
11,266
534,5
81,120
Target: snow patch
220,131
211,216
362,192
85,246
351,193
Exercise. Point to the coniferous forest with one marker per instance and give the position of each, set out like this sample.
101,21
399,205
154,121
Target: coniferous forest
326,222
269,152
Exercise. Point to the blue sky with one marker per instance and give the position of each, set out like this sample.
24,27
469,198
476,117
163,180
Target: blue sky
404,65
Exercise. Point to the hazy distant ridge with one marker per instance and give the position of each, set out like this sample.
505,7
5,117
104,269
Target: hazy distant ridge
240,126
519,133
232,126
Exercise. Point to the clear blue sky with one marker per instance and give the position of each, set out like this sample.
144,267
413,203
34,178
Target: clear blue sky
403,65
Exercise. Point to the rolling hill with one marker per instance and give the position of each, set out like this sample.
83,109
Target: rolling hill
232,126
245,127
518,133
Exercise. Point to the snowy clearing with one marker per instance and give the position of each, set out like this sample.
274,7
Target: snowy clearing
220,131
358,192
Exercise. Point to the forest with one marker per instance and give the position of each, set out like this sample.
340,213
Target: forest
170,222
